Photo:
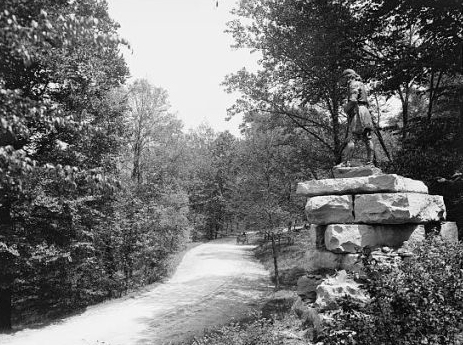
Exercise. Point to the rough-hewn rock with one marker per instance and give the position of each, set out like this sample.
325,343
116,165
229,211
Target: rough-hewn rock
329,209
398,208
279,303
331,290
299,307
290,276
346,172
349,238
307,285
449,231
308,315
315,260
386,183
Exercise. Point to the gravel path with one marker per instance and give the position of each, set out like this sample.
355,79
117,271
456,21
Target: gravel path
215,282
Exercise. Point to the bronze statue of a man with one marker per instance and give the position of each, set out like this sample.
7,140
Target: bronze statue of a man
359,122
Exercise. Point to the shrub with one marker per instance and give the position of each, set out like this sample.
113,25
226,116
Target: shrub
419,302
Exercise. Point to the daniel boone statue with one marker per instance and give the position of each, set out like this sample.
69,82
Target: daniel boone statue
359,123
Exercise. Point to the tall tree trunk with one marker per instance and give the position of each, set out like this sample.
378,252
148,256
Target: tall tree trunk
216,233
6,279
377,128
404,98
338,144
461,115
136,173
275,261
461,99
5,307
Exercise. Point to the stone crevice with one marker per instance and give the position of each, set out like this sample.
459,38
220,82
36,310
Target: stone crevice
353,206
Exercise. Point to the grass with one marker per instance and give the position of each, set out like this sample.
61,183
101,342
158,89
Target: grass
291,258
256,331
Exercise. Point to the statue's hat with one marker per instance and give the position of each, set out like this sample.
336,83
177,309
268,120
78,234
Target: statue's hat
349,72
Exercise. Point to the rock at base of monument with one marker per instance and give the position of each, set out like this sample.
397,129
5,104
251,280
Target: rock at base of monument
351,238
398,208
308,315
449,231
385,183
315,260
307,286
347,172
334,289
329,209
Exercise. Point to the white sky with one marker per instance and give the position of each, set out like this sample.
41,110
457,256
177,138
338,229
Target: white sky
180,45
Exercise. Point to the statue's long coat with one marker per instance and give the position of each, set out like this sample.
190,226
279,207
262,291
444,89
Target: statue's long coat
359,117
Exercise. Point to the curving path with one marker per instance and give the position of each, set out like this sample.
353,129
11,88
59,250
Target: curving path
214,283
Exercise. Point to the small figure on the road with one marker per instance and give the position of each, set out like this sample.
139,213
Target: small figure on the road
359,122
242,238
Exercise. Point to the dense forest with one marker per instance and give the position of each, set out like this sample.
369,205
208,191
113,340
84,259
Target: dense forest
100,182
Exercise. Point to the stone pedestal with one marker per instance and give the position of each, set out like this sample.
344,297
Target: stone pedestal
361,207
361,185
344,172
449,231
330,209
351,238
399,208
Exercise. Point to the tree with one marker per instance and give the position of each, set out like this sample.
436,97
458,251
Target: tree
152,209
148,117
414,45
212,193
305,47
409,46
60,60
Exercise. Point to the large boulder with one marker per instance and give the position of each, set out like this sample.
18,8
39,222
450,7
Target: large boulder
449,231
358,171
333,289
361,185
350,238
329,209
398,208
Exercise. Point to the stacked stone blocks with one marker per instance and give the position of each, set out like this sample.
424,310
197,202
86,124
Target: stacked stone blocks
361,207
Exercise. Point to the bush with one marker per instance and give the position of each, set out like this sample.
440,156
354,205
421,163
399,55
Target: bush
419,302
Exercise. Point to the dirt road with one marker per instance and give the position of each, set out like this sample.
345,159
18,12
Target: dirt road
214,283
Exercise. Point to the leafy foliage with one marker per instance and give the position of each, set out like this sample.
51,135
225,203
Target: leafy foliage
420,302
74,229
305,47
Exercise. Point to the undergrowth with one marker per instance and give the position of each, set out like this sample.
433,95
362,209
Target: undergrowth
256,331
418,303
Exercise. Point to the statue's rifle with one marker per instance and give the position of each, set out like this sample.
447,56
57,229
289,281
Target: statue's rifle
377,131
380,136
381,140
